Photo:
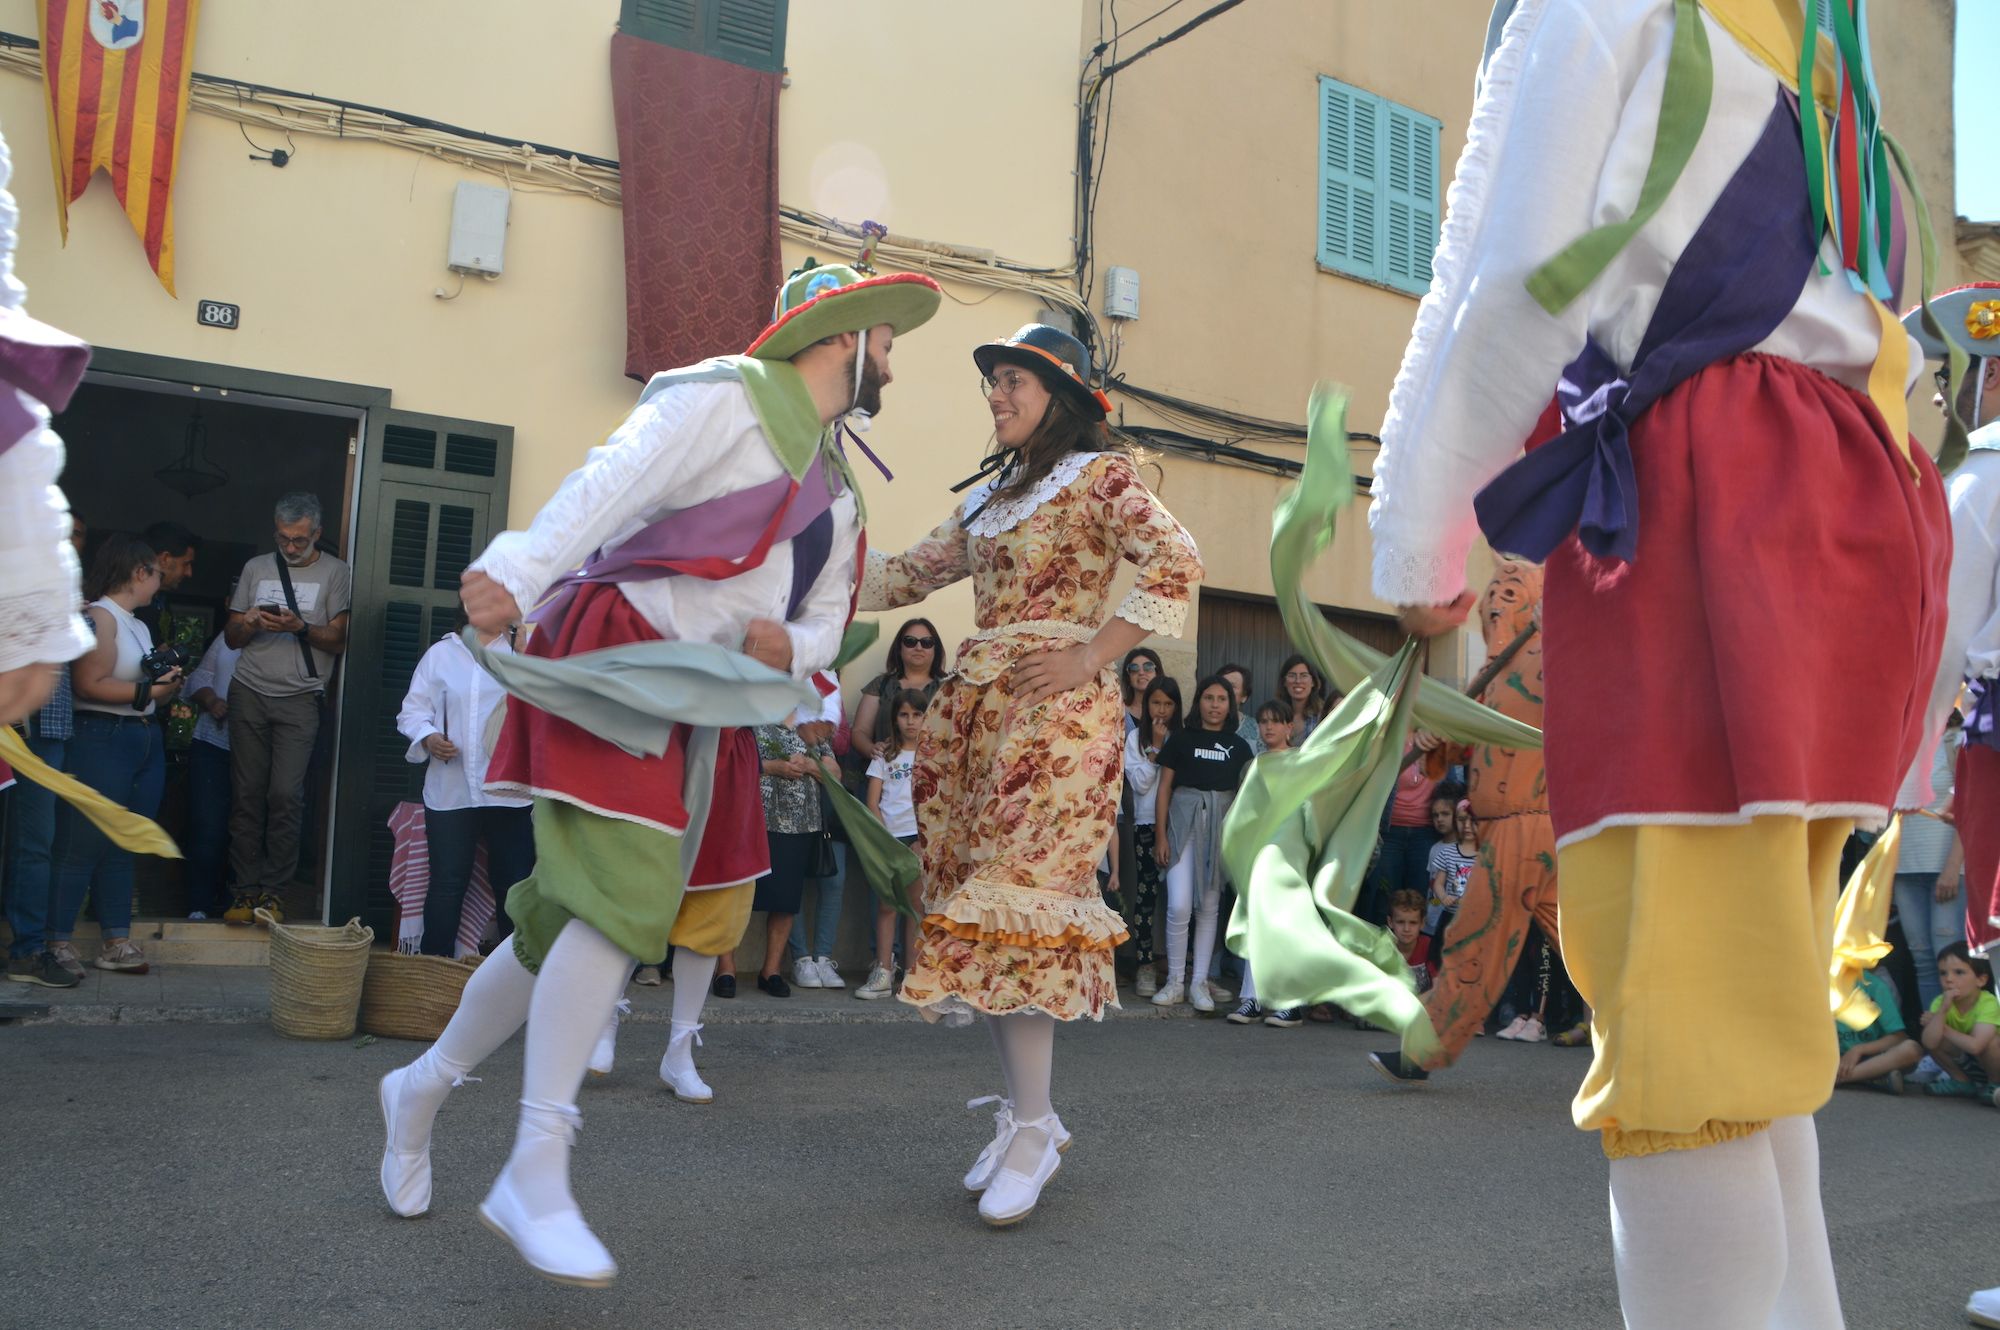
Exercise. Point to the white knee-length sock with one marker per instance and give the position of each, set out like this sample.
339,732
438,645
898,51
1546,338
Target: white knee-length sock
1699,1236
693,973
493,1006
1028,1047
1809,1299
579,985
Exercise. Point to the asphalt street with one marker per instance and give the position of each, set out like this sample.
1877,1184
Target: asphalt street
218,1175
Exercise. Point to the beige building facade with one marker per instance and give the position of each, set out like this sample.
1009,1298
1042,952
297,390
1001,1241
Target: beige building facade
955,126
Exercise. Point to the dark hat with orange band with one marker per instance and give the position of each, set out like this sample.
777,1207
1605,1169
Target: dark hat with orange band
1056,356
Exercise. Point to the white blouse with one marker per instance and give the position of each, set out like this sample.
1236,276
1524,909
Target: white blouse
1560,139
1143,775
687,444
451,695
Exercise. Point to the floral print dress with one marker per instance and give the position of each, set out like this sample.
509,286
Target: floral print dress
1015,806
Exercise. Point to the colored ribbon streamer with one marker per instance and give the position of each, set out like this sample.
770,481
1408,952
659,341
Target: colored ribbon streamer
1303,826
123,827
1860,919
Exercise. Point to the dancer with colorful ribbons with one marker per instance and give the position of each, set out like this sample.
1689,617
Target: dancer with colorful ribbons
1645,226
685,583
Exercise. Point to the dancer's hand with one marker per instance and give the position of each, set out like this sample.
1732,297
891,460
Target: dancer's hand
1431,620
766,641
489,607
1042,674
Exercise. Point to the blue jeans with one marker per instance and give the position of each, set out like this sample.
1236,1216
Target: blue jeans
1404,866
208,827
124,759
31,855
453,837
826,922
1927,926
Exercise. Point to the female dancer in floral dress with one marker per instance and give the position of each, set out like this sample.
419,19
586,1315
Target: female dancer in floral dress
1017,773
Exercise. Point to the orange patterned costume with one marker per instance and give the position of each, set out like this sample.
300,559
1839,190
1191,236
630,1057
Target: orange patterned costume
1514,881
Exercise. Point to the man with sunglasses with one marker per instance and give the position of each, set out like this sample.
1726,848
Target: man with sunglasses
288,617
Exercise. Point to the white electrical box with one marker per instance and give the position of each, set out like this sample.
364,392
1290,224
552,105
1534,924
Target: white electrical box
478,230
1121,293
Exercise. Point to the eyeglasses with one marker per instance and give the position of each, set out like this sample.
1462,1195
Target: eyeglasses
1298,676
294,542
912,640
1141,667
1006,383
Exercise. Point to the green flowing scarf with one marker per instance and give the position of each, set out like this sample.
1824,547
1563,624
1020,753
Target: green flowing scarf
1299,837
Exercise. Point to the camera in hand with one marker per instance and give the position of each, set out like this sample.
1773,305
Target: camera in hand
161,661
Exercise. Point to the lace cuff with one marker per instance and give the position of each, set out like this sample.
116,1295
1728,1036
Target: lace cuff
874,593
40,631
1156,614
1417,579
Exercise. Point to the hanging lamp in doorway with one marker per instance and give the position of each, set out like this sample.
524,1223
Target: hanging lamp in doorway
193,473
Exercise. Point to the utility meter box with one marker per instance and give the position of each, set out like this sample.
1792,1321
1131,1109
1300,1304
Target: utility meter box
1121,293
478,230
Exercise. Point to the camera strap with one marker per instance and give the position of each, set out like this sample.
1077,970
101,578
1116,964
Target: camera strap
292,604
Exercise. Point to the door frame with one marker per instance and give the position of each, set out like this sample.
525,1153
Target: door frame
363,403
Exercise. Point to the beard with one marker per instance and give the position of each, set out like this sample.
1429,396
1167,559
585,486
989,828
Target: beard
301,559
868,397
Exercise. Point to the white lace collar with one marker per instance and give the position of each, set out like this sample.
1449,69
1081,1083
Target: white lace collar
999,518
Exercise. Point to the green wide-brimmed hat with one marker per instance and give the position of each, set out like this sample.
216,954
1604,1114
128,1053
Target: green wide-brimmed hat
1969,315
820,300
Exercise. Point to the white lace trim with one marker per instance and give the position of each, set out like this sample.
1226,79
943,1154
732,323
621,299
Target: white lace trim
955,1011
1413,579
42,628
1867,817
874,593
1156,614
1000,518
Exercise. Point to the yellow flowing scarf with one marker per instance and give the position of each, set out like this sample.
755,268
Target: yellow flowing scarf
125,828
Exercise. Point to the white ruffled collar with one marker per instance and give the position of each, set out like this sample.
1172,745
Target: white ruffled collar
997,519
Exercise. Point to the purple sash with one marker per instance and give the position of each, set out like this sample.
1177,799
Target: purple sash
723,536
1741,274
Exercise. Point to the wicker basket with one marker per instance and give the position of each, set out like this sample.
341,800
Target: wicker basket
316,977
411,997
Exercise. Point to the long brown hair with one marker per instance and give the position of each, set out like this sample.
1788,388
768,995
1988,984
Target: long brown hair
1063,429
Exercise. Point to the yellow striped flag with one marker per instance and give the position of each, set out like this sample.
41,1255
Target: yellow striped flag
116,73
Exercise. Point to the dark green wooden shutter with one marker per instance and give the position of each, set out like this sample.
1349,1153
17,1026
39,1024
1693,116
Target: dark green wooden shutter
433,493
743,32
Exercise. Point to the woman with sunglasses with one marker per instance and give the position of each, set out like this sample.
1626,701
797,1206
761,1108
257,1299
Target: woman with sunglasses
1017,775
1135,676
917,661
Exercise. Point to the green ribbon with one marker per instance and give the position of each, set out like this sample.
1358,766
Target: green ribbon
1684,103
890,866
1304,823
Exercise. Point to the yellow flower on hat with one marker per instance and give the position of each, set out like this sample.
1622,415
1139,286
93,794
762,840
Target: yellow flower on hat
1982,320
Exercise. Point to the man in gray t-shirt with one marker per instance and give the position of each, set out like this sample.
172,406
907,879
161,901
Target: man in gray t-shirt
289,643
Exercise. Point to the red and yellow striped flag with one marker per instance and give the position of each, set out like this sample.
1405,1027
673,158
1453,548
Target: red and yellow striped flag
116,73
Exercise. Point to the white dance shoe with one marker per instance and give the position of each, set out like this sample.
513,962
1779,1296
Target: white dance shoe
406,1173
980,1176
1012,1195
677,1069
560,1246
606,1051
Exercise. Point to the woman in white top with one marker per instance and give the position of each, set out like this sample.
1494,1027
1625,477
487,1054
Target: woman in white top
1159,716
116,750
451,705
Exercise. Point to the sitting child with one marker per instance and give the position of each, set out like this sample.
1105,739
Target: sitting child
1959,1029
1879,1055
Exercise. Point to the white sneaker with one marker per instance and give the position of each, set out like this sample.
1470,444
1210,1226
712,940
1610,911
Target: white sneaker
1983,1307
558,1246
677,1069
1513,1031
1146,982
647,976
805,973
829,974
1012,1195
1198,996
880,985
1170,992
1532,1032
980,1175
601,1057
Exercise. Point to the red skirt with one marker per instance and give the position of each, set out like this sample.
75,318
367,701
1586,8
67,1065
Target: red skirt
1771,649
541,756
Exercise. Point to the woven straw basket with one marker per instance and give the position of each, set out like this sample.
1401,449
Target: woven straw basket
316,977
411,997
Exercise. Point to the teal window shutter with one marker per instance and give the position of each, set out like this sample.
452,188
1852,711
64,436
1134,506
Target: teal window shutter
1378,188
1410,220
1349,228
743,32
